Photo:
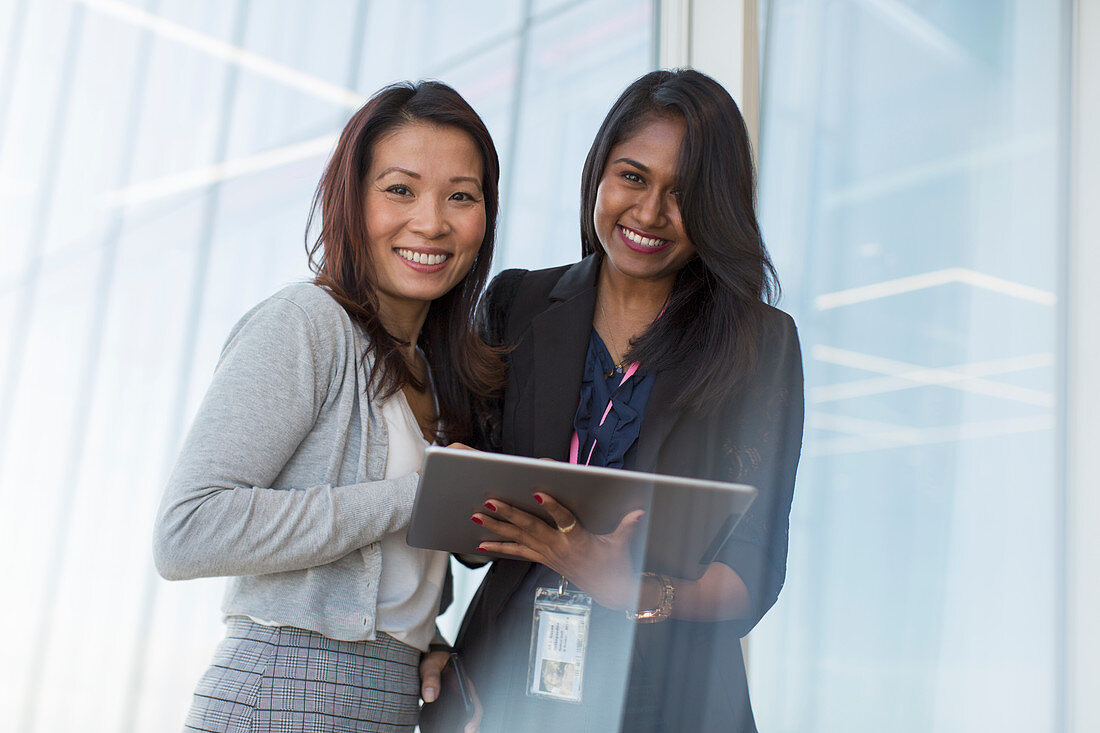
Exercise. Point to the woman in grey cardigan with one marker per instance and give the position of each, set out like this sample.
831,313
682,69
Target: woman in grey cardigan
297,477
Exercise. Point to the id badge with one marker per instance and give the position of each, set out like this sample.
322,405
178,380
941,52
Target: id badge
559,641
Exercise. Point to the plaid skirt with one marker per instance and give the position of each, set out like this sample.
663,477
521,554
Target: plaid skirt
279,678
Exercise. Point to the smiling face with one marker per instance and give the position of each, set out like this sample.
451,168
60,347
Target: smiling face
637,212
425,214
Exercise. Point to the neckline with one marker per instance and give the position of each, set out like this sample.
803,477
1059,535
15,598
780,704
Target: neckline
606,363
409,416
604,354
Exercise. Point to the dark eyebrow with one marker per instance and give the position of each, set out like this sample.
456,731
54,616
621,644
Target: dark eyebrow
631,161
396,169
468,179
413,174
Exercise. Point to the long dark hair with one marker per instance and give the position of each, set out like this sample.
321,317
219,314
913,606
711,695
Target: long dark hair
714,315
460,362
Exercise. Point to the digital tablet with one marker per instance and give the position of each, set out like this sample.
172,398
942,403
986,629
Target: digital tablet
686,523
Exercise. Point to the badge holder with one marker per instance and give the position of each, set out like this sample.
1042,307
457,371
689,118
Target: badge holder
559,642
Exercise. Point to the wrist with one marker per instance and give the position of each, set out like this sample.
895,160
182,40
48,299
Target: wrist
620,593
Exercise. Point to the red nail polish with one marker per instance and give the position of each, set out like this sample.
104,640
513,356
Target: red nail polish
538,498
490,506
476,520
482,549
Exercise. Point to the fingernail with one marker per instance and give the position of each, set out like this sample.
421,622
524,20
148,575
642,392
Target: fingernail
429,695
490,506
482,548
477,520
538,498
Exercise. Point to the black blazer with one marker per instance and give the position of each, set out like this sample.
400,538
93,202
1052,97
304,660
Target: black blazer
754,437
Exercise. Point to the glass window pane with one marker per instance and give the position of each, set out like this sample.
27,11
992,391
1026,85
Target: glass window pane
540,226
911,186
171,149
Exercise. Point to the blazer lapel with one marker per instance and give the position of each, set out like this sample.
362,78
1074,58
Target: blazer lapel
560,337
660,416
561,334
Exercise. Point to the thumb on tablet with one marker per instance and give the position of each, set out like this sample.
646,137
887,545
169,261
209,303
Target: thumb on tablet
628,525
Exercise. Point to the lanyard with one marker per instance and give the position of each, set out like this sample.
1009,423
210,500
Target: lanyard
575,442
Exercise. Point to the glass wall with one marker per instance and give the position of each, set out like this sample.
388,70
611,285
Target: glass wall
912,193
157,160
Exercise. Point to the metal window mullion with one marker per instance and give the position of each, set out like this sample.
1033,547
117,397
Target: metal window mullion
1081,392
505,200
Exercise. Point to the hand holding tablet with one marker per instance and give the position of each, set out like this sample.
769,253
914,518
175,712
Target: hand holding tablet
685,520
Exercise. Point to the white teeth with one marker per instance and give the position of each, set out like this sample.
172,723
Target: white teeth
422,258
639,239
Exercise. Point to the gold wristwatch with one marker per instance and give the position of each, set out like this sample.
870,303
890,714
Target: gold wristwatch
664,606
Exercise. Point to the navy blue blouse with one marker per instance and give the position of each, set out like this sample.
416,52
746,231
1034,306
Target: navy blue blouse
617,438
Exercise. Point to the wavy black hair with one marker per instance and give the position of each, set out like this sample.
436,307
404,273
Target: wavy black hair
714,316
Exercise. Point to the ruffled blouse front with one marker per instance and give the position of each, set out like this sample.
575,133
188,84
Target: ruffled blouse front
609,416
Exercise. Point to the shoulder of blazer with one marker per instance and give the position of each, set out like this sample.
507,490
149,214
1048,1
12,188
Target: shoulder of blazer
538,290
776,320
778,336
532,296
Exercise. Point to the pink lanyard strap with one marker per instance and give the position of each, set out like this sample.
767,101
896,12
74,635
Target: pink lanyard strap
575,442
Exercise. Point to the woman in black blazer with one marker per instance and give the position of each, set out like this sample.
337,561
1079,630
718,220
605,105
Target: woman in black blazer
665,318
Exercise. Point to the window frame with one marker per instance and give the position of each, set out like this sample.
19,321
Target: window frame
1082,391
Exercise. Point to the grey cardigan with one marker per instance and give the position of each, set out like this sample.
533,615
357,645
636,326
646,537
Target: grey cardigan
280,482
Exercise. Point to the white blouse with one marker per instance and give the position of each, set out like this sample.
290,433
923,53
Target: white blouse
412,579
